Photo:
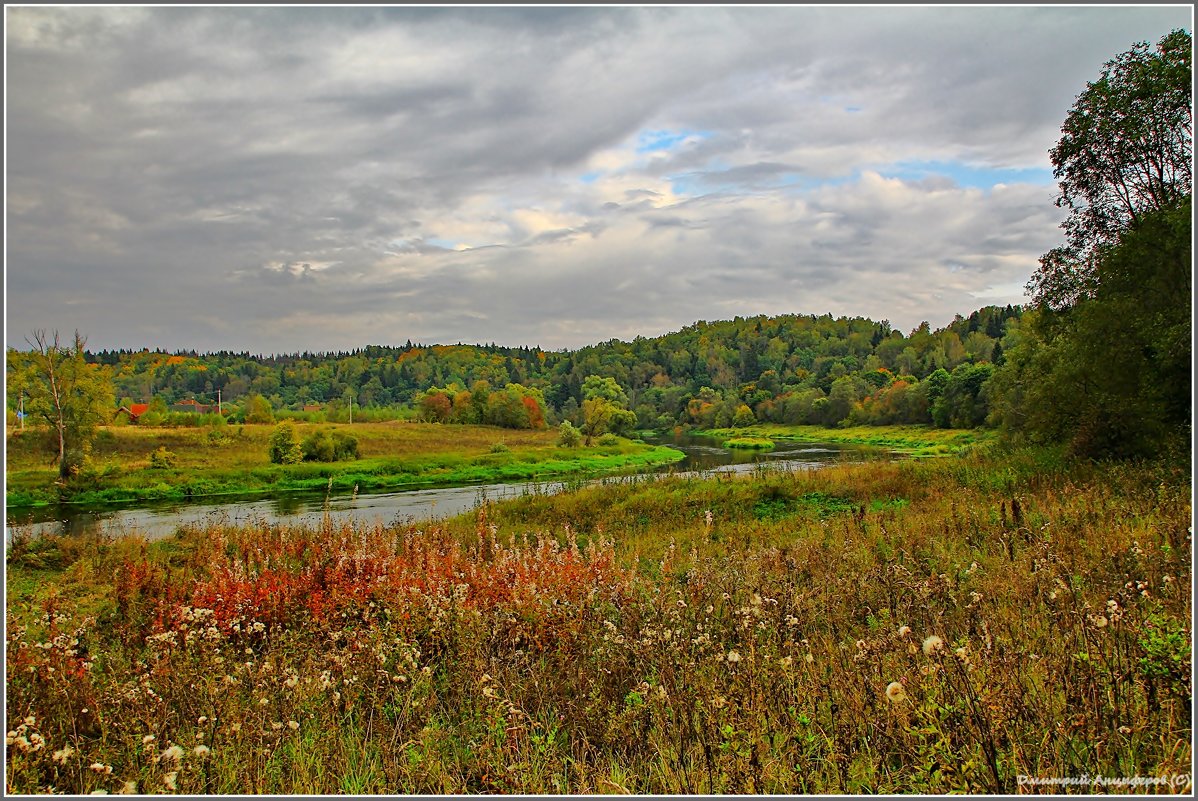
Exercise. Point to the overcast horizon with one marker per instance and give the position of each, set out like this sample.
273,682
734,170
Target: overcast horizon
279,180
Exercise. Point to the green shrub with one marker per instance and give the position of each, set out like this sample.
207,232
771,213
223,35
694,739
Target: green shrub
499,447
569,436
283,447
162,458
323,446
608,440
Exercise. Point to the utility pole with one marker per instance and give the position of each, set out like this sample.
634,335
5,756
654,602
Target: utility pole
219,409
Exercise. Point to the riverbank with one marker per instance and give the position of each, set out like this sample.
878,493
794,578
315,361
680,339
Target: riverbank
910,440
235,461
919,626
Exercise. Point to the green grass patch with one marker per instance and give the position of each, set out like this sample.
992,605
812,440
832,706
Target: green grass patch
910,440
750,443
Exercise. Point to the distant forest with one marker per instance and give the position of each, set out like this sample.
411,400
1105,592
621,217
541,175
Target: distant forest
787,369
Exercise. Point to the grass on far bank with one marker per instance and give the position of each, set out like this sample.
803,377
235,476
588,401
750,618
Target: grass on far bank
235,460
916,626
910,440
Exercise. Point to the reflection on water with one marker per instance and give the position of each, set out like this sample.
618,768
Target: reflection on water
703,456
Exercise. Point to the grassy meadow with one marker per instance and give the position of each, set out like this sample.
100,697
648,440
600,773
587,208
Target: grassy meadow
924,626
235,460
910,440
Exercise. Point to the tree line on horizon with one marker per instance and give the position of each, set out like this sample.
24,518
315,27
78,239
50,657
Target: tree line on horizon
793,369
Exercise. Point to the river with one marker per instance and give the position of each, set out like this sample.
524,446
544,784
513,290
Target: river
155,520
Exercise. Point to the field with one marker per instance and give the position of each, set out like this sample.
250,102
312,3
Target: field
926,626
235,460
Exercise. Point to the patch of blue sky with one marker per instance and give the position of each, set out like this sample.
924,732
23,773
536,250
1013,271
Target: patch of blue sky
967,175
655,141
437,242
590,177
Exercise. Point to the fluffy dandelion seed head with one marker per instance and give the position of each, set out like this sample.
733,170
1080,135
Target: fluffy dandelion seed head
895,692
98,767
62,755
169,780
1100,621
932,644
172,754
130,788
201,750
293,725
904,631
149,738
733,656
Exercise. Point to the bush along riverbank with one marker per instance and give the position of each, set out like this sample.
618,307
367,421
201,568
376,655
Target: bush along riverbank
922,626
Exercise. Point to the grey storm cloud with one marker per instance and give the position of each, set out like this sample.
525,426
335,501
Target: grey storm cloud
280,179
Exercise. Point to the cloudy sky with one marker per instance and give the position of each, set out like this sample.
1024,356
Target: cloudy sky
276,180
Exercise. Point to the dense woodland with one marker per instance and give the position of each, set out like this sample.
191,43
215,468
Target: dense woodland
787,369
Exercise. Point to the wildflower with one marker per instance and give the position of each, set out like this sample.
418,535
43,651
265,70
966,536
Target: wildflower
201,750
62,755
293,725
895,692
1099,621
172,754
31,721
130,788
202,719
264,702
904,631
932,644
36,742
149,738
292,682
169,780
100,767
733,657
1125,729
